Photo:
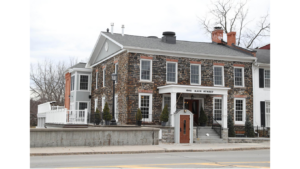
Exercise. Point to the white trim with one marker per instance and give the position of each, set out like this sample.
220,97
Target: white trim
193,89
222,75
199,74
131,49
89,80
112,40
108,57
116,71
219,121
265,78
95,104
144,80
88,63
103,77
176,74
243,76
149,119
244,111
103,102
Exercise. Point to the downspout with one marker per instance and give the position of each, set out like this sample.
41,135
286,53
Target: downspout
254,66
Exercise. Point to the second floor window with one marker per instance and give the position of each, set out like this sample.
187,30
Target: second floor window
84,79
238,77
146,71
218,76
267,78
195,74
171,72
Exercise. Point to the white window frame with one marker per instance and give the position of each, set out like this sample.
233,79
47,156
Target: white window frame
89,79
116,71
96,80
163,102
265,78
73,83
176,74
243,76
115,106
103,102
219,121
103,80
87,107
222,75
244,111
199,74
149,119
96,104
145,80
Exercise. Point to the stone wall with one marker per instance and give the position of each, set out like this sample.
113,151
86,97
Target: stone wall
247,140
167,134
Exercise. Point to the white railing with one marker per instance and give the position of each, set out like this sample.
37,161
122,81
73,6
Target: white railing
267,120
64,116
57,107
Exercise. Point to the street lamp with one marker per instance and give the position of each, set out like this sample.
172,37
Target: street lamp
113,120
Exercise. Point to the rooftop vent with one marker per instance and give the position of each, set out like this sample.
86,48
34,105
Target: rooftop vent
152,37
217,27
169,37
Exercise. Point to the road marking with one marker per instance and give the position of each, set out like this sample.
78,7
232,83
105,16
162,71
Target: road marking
205,164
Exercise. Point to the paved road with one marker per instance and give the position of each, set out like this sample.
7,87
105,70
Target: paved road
218,159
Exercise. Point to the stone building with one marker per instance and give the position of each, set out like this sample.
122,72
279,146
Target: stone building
153,72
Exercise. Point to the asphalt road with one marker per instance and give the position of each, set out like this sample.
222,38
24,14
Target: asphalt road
218,159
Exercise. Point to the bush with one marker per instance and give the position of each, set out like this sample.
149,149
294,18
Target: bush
203,117
164,116
97,117
106,115
138,115
231,132
249,131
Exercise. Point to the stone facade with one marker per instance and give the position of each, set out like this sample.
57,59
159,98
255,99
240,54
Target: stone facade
129,84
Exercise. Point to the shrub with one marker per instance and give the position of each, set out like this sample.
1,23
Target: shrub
249,131
164,116
203,117
231,132
97,117
106,115
138,115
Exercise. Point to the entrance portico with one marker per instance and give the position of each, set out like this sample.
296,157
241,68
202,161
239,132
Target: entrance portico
220,92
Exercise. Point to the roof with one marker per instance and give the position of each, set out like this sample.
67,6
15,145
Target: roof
180,46
263,55
79,65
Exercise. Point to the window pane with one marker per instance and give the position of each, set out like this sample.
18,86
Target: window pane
167,101
82,106
145,70
145,106
84,82
195,74
239,110
267,78
218,109
218,79
171,72
268,107
238,77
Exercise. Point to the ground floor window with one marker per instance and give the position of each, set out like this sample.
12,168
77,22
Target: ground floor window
239,111
145,104
82,106
218,109
167,101
267,113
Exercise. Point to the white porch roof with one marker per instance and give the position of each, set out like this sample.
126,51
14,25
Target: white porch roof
193,89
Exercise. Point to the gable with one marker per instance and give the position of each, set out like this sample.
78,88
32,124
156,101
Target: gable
112,48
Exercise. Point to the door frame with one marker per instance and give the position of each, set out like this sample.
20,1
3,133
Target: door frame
189,98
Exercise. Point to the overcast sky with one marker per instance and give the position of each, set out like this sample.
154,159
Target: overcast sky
60,29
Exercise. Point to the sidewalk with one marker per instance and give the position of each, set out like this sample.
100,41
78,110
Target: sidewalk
161,148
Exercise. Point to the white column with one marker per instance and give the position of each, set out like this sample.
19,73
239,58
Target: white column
173,107
224,112
85,116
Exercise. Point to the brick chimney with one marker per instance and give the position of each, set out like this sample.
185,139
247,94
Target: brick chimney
231,38
217,35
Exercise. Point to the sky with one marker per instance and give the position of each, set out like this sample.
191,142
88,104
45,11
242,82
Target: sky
64,29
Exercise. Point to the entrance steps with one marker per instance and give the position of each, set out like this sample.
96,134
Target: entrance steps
212,137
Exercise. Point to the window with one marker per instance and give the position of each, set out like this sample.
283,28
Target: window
195,74
239,111
268,107
145,104
116,108
218,75
103,103
267,78
82,106
146,70
96,104
96,80
104,77
239,77
116,71
72,82
172,72
267,118
218,109
84,79
167,101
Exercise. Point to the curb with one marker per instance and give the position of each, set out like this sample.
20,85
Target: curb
149,151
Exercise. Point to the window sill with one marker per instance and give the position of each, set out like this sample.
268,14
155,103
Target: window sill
195,84
145,81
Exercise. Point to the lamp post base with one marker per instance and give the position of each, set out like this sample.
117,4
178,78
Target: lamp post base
113,122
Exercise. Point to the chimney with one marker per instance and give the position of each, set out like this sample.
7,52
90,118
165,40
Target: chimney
123,30
112,28
217,35
169,37
231,38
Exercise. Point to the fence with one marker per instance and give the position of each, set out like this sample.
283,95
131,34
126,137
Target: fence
64,116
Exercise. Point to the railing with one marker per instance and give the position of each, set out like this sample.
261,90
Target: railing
57,107
64,116
217,127
258,131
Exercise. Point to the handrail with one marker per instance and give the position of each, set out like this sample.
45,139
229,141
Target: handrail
218,126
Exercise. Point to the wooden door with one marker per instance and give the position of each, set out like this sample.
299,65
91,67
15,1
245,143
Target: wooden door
184,128
193,106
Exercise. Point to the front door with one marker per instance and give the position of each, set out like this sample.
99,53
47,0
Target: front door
193,106
184,128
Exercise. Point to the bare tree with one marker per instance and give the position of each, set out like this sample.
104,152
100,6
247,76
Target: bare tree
232,16
48,80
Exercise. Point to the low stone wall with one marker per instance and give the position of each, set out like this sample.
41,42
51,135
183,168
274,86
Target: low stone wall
167,134
247,140
100,136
